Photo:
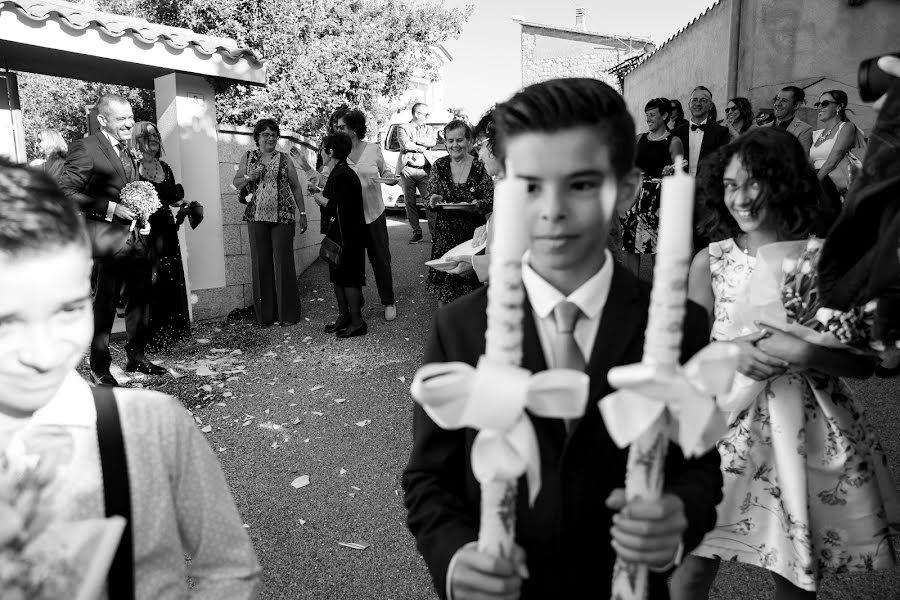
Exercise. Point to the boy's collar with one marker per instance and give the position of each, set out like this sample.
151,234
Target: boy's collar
590,296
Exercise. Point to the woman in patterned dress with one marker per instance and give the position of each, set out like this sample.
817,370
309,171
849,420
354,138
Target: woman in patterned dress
271,189
656,152
806,488
457,179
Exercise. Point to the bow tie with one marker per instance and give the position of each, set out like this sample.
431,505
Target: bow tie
700,127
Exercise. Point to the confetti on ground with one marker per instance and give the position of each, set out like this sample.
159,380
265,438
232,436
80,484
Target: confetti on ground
316,388
205,371
246,526
202,341
343,471
354,545
292,404
301,481
206,388
223,448
358,489
247,422
307,338
317,413
227,395
340,400
270,354
291,391
363,423
297,421
298,359
301,521
175,373
402,379
221,404
206,429
219,350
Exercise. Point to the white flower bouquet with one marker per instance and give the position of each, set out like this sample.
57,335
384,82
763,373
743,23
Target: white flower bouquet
140,197
42,558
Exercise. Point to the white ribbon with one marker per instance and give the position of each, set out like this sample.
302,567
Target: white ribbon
644,391
492,398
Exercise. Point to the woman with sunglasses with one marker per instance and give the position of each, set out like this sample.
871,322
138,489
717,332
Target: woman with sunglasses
739,116
831,144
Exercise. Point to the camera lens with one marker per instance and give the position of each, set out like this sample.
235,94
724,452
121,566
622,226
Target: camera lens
873,82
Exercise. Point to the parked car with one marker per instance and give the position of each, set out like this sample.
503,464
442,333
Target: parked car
390,149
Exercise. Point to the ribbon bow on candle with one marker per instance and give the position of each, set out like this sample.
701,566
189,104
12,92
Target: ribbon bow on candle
492,398
645,391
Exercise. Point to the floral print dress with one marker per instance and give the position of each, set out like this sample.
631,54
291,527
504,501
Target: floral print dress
806,485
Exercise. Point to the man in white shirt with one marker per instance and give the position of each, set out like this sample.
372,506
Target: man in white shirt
166,483
416,138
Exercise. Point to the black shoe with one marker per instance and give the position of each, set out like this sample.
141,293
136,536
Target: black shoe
416,238
104,379
144,366
336,325
887,372
349,333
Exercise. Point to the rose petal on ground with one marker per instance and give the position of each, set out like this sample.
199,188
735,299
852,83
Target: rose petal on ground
247,422
227,394
354,545
270,354
343,471
175,373
340,400
291,391
306,339
301,481
316,388
358,489
363,423
292,404
205,372
202,341
206,429
297,421
206,388
317,413
223,448
301,521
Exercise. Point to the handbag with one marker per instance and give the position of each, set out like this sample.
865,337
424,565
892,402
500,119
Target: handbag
330,251
841,174
249,188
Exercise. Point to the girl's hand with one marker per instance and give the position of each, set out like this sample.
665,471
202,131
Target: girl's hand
785,346
754,362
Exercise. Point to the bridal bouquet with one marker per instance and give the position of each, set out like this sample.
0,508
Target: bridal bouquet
141,198
42,558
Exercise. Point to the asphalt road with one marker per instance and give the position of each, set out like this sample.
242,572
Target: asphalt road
339,411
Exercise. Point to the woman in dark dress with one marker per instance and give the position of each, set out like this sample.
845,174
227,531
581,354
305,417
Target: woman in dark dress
457,179
345,223
170,319
656,152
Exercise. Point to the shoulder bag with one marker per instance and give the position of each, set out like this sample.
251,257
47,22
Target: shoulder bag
249,188
330,251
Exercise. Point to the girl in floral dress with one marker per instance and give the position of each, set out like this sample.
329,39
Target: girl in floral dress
806,488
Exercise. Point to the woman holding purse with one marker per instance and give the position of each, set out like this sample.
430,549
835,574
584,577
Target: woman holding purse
345,233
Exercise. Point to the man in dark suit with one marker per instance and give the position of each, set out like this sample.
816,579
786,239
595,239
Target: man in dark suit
97,168
568,139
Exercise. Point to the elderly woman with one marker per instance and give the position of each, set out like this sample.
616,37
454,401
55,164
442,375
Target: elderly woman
270,187
739,116
54,149
461,192
343,218
367,162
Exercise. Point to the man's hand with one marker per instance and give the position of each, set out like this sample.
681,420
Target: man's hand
123,212
754,361
479,576
645,531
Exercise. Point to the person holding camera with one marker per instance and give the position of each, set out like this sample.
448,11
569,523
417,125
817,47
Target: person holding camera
268,184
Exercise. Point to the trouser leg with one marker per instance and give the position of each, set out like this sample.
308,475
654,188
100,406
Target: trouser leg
379,250
263,271
104,307
693,579
355,304
136,275
341,297
286,293
409,198
430,215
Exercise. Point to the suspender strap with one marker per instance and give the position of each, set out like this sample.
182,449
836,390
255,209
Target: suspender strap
116,492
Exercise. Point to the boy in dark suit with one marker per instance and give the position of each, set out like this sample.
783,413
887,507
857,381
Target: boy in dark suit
565,138
97,168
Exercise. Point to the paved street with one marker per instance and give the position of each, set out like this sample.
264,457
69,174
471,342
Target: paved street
339,411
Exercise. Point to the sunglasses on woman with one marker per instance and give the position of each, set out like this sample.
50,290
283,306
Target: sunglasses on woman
730,109
824,103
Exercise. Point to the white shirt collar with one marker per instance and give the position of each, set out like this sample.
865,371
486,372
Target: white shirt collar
111,139
590,297
71,406
699,124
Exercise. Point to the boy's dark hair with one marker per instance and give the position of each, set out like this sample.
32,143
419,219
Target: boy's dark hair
459,124
662,105
355,120
35,216
339,144
798,94
487,129
560,104
264,125
789,188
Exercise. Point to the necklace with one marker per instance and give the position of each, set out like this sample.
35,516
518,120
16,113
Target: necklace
821,139
664,135
156,170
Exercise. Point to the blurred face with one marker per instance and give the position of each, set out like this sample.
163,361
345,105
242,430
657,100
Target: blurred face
151,140
458,145
655,121
731,113
785,105
572,193
268,139
117,120
827,107
420,114
741,194
491,164
675,112
700,103
45,326
343,127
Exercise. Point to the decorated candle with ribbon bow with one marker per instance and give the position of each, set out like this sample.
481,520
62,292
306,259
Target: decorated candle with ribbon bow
493,397
657,400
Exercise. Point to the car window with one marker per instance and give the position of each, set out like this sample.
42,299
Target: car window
393,142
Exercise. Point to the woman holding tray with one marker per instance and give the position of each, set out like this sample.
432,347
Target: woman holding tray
461,192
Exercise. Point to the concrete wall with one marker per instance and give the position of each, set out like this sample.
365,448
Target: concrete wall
238,291
698,55
548,53
780,42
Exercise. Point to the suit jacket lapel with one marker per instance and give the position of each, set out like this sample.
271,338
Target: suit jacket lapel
532,352
112,156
